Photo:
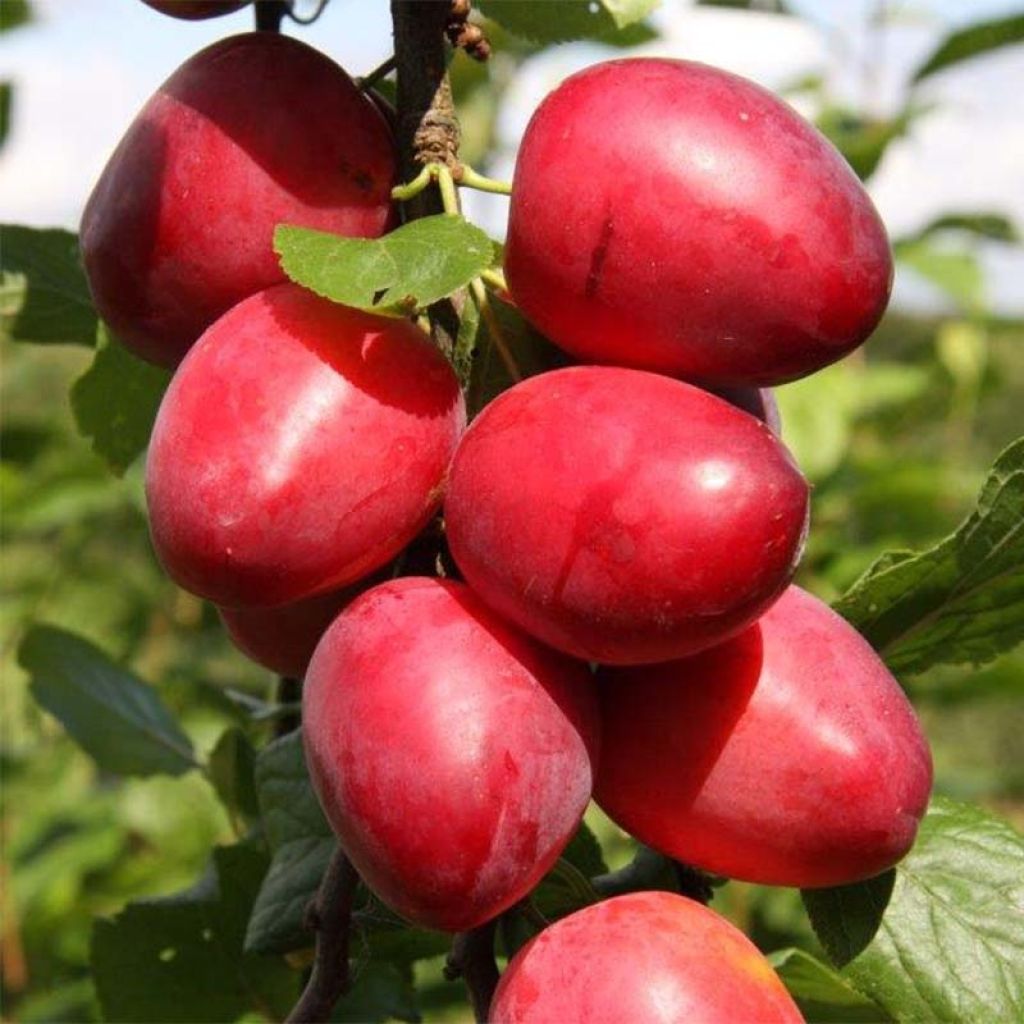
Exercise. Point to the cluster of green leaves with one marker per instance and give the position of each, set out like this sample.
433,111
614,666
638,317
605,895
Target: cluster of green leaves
186,779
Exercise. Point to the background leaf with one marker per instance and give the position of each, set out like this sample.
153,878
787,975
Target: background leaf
180,959
559,21
948,943
408,269
972,42
115,402
14,14
983,225
824,997
301,843
961,601
954,270
43,295
6,102
117,719
231,769
533,354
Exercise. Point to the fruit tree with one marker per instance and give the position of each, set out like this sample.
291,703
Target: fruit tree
565,676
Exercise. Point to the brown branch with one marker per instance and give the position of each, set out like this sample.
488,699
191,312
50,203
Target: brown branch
427,130
269,14
472,959
330,915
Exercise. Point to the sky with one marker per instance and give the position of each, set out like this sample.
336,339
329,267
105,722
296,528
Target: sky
85,67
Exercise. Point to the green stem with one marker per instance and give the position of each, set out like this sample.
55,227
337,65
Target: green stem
403,193
483,303
446,185
495,278
468,178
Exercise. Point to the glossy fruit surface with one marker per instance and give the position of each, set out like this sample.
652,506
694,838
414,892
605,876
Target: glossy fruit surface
714,234
621,516
179,227
196,10
300,446
654,957
451,754
787,756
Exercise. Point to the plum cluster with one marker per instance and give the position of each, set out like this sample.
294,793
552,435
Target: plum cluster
623,626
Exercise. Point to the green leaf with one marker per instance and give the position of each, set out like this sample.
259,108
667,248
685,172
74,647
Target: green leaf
14,14
115,717
823,996
180,960
559,21
6,99
381,935
567,886
984,225
380,992
946,942
301,844
863,141
960,601
232,771
115,402
972,42
408,269
584,852
532,353
955,271
819,412
43,294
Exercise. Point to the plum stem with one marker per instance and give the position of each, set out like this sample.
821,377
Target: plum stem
468,178
494,328
495,278
330,914
446,186
472,959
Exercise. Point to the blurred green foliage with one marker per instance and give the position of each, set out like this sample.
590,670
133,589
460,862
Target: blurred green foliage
897,441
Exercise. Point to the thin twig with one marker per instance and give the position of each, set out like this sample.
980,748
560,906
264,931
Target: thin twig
472,959
494,328
330,914
369,80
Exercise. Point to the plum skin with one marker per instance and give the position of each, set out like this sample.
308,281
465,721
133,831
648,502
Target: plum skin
179,227
621,516
786,756
299,447
196,10
655,957
452,755
715,235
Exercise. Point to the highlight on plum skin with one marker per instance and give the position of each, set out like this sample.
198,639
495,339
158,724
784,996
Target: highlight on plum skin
655,957
453,755
179,227
788,755
624,517
300,446
716,235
